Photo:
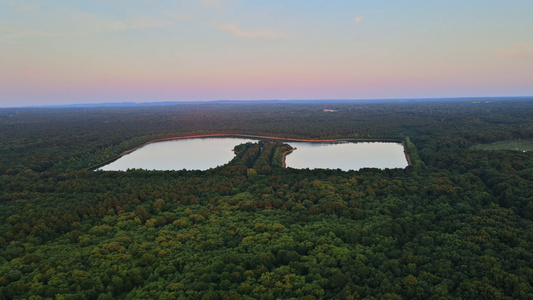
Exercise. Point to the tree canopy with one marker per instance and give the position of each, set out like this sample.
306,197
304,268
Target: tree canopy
457,223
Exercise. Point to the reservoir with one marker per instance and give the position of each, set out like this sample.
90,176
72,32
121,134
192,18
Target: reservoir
346,155
207,153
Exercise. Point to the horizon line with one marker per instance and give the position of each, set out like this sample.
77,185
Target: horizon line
232,101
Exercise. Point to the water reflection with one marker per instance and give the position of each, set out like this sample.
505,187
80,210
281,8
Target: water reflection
206,153
346,156
189,154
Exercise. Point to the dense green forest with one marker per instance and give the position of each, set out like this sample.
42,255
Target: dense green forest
456,224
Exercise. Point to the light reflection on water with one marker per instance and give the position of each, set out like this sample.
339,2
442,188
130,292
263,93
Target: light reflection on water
206,153
346,156
189,154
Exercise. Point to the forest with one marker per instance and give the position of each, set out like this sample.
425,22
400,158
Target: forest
455,224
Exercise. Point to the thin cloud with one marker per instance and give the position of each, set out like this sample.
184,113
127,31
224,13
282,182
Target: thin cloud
143,22
182,18
232,28
521,50
30,7
32,72
24,33
211,3
240,32
92,24
85,24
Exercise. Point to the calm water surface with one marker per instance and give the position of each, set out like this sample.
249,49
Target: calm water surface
206,153
346,156
189,154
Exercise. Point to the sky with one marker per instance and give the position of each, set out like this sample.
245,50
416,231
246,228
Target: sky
69,51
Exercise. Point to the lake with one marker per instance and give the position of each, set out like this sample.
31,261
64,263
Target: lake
346,155
206,153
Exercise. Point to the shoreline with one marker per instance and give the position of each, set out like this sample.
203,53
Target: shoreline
94,167
284,156
406,155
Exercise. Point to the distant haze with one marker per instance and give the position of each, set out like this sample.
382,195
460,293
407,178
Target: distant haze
67,52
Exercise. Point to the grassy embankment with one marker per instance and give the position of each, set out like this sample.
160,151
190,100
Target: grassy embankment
517,145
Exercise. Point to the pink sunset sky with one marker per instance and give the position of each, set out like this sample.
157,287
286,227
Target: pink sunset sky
67,52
